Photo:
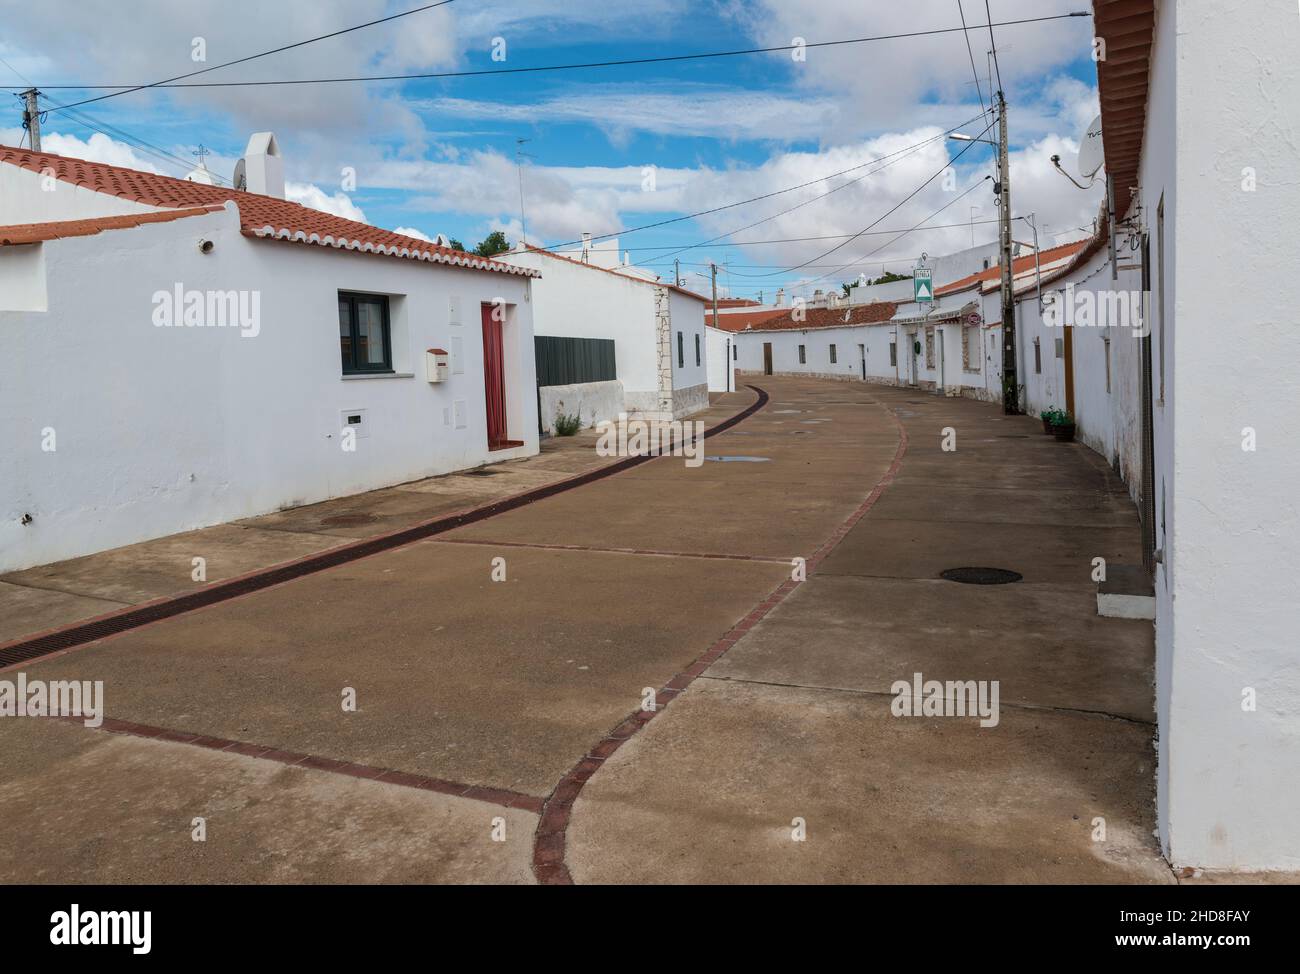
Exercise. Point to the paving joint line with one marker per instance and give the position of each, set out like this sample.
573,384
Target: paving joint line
1032,707
504,797
614,551
550,839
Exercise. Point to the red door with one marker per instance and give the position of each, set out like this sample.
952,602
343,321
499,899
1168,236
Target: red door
494,379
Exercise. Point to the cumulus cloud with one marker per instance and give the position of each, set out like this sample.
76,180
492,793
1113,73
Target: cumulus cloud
412,232
339,204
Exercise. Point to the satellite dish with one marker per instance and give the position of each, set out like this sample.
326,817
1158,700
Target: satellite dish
240,180
1091,154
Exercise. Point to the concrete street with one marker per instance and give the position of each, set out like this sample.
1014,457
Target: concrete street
491,740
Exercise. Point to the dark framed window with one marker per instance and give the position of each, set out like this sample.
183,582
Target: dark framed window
802,356
735,352
365,338
893,353
697,349
681,352
833,359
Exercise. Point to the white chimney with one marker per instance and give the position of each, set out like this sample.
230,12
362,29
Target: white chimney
780,298
261,170
586,248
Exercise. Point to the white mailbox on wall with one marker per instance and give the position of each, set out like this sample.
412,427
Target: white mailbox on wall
436,365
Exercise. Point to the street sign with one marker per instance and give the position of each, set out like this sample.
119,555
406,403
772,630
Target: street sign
922,285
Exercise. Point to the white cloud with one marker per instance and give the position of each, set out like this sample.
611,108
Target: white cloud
709,111
97,148
309,194
412,232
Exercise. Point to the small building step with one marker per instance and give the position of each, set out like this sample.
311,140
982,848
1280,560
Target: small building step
1127,593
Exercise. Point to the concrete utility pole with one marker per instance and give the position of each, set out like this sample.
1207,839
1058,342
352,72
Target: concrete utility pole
677,272
1010,380
714,269
32,118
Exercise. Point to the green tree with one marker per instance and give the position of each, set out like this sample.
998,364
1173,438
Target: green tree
494,243
455,244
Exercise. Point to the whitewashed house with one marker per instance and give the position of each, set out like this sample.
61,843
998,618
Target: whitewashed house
657,329
180,354
720,357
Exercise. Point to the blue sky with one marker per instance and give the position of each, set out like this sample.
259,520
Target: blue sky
439,155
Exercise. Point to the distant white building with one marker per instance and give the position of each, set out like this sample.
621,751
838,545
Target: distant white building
657,328
180,354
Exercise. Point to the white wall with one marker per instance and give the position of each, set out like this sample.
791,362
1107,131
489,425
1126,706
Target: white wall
691,380
29,197
721,353
1226,93
160,430
592,402
573,301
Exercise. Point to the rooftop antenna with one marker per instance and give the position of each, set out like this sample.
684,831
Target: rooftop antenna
520,155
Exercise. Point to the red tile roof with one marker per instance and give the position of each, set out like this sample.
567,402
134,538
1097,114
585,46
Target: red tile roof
1019,265
626,277
1127,28
740,320
259,216
738,303
27,233
784,319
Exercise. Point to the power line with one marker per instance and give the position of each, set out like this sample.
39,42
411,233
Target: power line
901,153
971,54
546,67
752,199
966,148
864,258
90,122
167,82
830,236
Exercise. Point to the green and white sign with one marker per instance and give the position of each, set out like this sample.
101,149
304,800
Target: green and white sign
922,286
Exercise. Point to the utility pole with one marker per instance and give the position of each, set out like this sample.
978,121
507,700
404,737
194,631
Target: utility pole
1010,380
677,271
519,164
32,118
714,269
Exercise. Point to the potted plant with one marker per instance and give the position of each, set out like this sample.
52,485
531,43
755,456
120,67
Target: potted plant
1046,416
1063,426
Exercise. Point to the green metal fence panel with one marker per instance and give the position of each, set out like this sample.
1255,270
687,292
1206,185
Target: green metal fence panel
568,361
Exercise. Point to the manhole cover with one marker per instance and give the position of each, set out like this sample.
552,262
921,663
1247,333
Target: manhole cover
739,459
981,576
348,520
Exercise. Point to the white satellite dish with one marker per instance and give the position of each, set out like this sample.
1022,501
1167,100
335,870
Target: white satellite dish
1091,153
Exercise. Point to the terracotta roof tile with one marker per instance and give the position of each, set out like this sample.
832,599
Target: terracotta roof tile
875,313
1019,265
740,320
27,233
260,216
626,277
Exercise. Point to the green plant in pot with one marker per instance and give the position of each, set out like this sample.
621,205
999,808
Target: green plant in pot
1046,416
1063,426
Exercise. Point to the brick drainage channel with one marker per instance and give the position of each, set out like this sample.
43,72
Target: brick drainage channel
58,640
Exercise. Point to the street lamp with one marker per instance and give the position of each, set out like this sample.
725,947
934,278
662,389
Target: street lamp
959,137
